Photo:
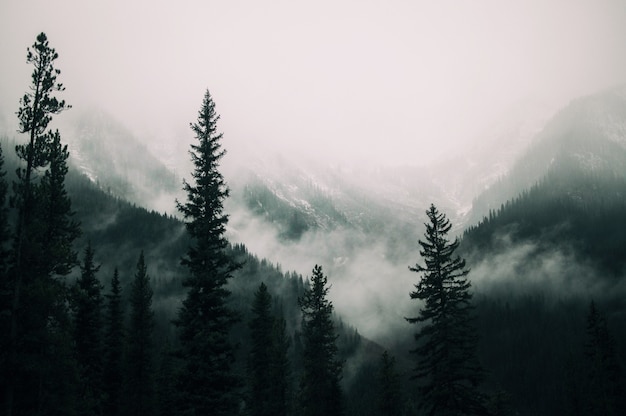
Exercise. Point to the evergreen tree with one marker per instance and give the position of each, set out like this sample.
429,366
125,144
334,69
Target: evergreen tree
602,386
5,287
207,383
268,365
114,349
166,388
38,319
447,367
88,332
320,392
140,375
280,370
389,402
55,209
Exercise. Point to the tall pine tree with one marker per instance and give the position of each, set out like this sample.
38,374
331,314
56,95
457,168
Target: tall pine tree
320,392
207,383
447,367
113,349
139,392
88,333
41,250
268,365
602,393
389,398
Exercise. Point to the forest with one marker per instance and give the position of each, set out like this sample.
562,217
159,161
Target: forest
111,309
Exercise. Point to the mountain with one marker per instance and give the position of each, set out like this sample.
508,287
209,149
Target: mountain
587,135
114,158
568,190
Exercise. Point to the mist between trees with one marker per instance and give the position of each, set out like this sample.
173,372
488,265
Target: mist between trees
109,308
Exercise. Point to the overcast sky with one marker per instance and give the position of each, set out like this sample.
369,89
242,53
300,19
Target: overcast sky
395,80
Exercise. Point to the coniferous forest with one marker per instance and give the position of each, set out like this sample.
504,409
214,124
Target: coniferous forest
107,308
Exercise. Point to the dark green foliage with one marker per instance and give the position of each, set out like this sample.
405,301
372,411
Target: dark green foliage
390,400
268,365
88,330
139,391
447,367
602,390
54,208
166,386
320,391
113,349
38,346
207,384
570,209
5,287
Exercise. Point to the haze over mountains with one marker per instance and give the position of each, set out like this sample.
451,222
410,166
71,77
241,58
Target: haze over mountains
362,222
543,199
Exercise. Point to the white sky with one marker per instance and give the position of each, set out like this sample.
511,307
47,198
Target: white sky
399,81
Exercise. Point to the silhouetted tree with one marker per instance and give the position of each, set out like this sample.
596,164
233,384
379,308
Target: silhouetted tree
390,401
268,366
207,383
38,316
320,392
166,386
140,375
447,367
114,349
87,307
602,385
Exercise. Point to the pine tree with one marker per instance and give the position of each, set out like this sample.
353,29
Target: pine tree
41,250
166,388
320,392
88,332
5,286
268,364
447,367
389,401
114,349
207,383
140,375
602,386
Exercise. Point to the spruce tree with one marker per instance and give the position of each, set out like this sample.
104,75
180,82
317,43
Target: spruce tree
140,374
207,383
41,250
320,392
602,393
5,286
88,333
113,349
389,399
447,368
268,365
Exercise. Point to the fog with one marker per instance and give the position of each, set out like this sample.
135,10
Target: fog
396,82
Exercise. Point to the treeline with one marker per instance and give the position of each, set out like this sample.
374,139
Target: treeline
570,207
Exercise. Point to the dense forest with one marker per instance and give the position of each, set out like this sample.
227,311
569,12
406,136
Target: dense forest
110,309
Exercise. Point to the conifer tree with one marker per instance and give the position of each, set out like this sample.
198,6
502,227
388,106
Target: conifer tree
38,314
5,287
207,383
447,367
602,386
320,392
389,401
166,388
140,375
88,332
113,349
268,364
